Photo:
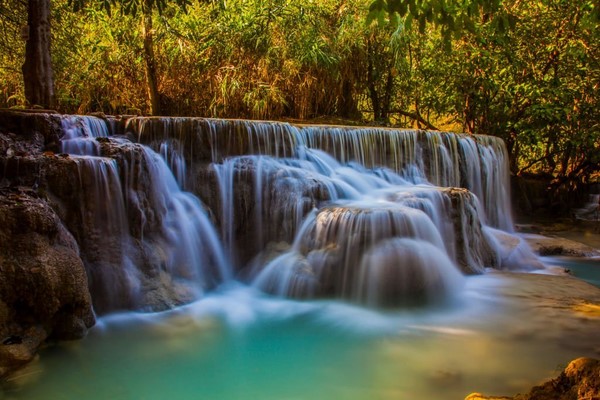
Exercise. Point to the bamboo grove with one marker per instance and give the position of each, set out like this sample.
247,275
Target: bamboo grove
526,71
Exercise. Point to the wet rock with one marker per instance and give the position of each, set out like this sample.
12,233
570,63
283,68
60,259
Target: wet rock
579,380
29,133
15,354
557,246
42,279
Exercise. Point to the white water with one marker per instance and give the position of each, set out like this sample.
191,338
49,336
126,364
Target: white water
145,242
351,201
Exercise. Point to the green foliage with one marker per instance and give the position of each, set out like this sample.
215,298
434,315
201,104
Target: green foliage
13,15
453,16
128,7
536,87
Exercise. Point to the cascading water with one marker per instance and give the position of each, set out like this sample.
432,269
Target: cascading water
146,244
303,212
80,134
379,191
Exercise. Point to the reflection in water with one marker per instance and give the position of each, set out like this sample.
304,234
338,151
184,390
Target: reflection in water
507,332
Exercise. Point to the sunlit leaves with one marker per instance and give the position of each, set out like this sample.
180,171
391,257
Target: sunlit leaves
453,16
128,7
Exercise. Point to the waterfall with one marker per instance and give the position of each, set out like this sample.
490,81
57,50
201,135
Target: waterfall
373,215
376,216
80,134
146,244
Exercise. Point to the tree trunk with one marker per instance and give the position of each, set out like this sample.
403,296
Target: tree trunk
347,107
150,62
37,69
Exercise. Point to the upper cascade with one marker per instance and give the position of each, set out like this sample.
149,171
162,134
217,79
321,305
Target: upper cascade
475,162
379,216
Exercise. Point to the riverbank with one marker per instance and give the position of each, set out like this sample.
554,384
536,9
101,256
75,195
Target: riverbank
579,380
569,240
561,237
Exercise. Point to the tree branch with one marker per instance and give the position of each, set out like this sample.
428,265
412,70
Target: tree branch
417,117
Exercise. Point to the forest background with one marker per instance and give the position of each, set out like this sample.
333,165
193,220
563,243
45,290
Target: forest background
525,71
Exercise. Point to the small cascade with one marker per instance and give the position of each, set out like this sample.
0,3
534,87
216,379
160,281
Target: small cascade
80,133
404,271
349,251
171,153
104,234
171,219
591,210
146,243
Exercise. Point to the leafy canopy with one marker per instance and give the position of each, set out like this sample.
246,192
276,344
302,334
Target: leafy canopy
452,16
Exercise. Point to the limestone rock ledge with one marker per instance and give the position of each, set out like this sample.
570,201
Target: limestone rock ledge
557,246
579,380
43,284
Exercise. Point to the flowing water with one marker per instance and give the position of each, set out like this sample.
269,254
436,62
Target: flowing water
343,268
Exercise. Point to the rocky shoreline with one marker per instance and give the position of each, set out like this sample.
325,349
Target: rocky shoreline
580,380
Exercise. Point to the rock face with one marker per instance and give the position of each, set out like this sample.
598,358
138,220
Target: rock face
557,246
580,380
43,285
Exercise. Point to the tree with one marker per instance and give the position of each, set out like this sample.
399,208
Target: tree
536,87
147,8
37,69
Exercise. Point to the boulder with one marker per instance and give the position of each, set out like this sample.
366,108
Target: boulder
43,284
579,380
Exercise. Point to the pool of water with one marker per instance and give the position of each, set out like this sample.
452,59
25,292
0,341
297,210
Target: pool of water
587,269
503,334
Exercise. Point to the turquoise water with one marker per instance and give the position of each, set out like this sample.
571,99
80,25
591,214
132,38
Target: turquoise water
587,269
505,333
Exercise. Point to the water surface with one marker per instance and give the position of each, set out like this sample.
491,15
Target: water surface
506,332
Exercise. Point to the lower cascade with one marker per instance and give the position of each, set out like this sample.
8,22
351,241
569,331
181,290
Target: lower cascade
165,209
